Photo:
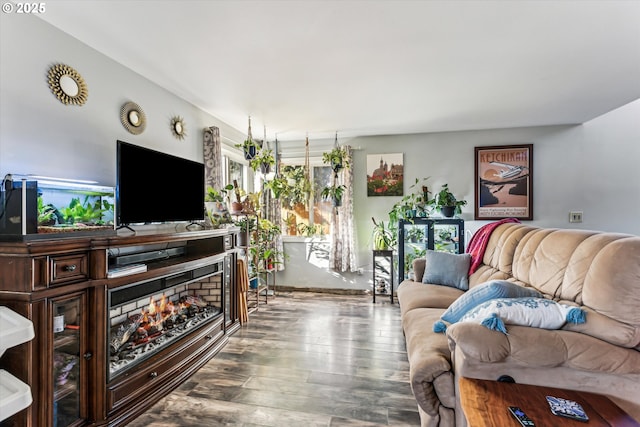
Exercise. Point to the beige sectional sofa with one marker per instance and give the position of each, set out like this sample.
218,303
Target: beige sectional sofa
595,271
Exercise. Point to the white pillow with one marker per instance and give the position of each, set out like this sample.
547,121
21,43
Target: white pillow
535,312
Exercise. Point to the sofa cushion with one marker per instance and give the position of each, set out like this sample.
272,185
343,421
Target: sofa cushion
443,268
535,312
483,293
412,295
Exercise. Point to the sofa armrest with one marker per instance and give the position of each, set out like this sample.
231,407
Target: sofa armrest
541,348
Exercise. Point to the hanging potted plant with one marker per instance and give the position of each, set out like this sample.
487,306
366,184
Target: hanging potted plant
447,202
249,147
337,158
263,161
333,192
279,186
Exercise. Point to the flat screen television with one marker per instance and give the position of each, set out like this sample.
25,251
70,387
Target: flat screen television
152,186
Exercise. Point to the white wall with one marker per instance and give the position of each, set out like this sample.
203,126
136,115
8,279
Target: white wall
40,135
593,167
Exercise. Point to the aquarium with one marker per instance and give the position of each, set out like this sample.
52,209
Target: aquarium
43,206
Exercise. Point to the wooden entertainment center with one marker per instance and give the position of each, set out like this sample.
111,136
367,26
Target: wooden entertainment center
50,279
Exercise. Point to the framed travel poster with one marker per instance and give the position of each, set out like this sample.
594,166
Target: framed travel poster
385,174
504,182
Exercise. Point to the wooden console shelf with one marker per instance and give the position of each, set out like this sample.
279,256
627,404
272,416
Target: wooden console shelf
46,279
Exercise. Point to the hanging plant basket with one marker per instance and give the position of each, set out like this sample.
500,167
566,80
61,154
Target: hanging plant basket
337,202
250,152
337,166
265,168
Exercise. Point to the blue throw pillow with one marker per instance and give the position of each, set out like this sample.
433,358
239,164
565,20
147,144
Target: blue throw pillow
479,294
443,268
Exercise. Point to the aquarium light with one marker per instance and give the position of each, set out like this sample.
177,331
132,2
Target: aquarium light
50,180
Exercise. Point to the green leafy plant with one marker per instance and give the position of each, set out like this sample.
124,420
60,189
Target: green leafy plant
383,237
214,195
337,158
413,204
309,230
300,188
263,160
85,212
279,187
445,200
249,147
246,223
334,192
46,213
415,234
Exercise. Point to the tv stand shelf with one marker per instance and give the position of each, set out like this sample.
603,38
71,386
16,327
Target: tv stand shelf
41,275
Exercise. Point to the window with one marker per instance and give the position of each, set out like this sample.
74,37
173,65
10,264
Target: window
303,199
235,172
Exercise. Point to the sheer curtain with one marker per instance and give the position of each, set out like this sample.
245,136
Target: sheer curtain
342,256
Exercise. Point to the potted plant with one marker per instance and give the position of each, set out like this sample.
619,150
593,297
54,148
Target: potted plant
447,203
300,188
336,158
309,230
383,237
216,202
415,233
411,205
334,192
279,186
247,226
249,147
263,161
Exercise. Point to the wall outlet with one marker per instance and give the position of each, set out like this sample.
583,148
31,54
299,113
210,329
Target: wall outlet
575,216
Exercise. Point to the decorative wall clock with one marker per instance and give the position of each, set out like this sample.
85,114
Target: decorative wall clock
133,118
178,128
67,85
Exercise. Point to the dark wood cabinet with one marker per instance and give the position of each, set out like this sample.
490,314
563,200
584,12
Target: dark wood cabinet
417,235
62,284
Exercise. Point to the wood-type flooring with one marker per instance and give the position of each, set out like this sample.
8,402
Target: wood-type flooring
304,359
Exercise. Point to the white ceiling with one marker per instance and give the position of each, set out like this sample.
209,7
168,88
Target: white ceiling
368,67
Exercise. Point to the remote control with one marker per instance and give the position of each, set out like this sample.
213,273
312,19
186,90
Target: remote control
521,416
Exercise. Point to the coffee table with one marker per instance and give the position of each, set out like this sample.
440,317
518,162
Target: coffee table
485,404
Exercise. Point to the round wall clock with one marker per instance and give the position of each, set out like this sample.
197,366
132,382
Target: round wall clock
178,128
67,85
133,118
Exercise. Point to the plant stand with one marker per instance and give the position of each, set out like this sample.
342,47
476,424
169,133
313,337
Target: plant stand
383,273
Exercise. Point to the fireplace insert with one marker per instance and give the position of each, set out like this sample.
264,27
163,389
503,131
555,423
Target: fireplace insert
147,316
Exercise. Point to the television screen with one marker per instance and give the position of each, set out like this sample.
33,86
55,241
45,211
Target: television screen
156,187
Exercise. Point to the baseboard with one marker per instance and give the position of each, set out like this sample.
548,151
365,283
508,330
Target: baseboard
280,288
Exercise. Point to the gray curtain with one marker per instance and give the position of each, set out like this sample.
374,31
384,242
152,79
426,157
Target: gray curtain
342,255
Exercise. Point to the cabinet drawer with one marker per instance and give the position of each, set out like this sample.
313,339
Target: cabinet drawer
69,268
151,377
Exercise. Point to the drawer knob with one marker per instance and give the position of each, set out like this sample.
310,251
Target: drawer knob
88,355
71,267
153,374
208,337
